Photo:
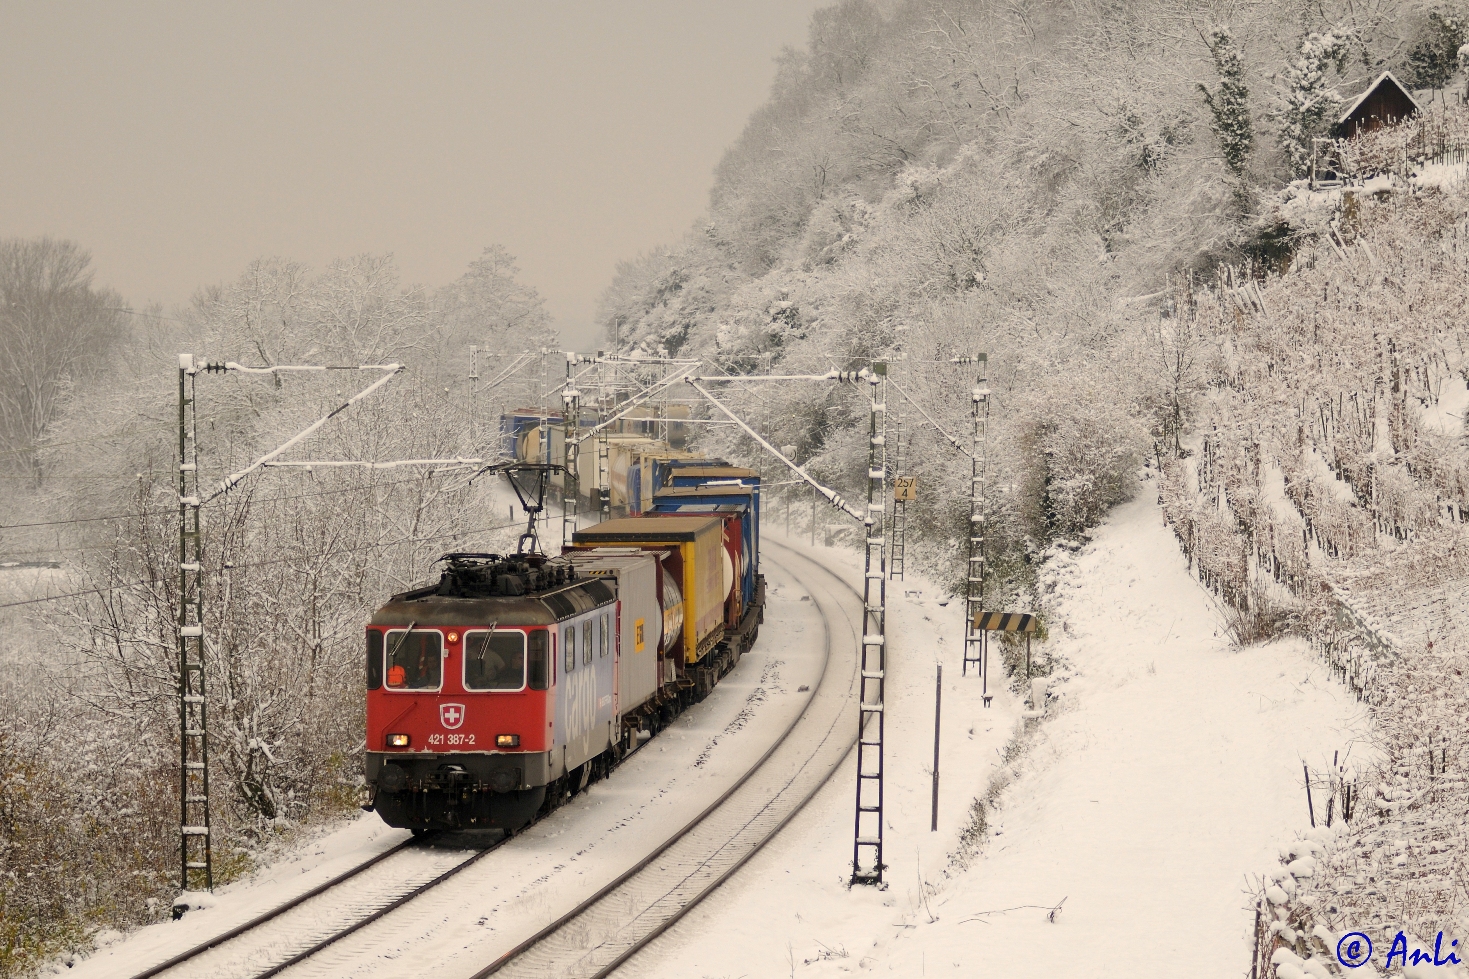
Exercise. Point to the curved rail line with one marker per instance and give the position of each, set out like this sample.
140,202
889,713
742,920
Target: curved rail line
756,820
601,933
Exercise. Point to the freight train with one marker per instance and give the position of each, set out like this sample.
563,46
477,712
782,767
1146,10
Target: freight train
516,680
637,461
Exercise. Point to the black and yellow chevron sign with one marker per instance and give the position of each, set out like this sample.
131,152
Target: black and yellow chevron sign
1005,621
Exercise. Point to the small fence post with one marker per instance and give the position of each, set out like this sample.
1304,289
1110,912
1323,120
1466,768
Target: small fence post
1255,947
1309,807
938,696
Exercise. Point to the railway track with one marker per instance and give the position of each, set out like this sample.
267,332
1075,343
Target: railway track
593,939
603,931
291,932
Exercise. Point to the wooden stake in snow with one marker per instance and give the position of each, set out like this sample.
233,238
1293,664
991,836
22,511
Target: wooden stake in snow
1309,807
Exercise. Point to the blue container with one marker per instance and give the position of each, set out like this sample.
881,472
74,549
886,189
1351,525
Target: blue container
709,488
513,423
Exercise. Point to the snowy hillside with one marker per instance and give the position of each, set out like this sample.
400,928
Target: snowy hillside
1162,780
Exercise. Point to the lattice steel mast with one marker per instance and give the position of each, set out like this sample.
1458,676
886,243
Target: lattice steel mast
975,645
196,860
868,819
867,856
195,851
604,445
473,395
570,490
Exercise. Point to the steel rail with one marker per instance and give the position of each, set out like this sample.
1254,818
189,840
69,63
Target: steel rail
272,914
386,909
509,958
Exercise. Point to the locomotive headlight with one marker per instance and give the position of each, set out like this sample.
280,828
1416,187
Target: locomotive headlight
507,741
453,637
398,741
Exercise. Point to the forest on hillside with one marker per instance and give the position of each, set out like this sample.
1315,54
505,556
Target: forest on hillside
1108,199
936,178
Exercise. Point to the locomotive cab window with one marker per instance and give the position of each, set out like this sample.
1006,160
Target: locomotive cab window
568,640
538,660
494,660
415,659
374,659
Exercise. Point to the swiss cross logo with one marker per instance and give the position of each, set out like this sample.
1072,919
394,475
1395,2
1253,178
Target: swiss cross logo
451,715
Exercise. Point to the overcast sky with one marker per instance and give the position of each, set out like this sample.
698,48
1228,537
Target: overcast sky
179,141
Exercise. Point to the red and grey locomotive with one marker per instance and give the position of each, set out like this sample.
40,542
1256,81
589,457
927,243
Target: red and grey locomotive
515,680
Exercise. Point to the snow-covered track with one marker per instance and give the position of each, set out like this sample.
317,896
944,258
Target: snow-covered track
604,931
329,912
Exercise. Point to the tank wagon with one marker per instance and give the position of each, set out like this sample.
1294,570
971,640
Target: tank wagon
514,681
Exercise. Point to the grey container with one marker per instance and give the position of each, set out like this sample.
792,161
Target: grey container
638,611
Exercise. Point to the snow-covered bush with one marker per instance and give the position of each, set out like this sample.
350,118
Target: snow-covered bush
88,835
1083,456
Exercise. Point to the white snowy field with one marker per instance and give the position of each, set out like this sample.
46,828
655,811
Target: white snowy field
1168,774
540,874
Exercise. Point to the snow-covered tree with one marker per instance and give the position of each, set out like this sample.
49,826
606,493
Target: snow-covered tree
1439,50
1229,103
1308,100
487,306
55,329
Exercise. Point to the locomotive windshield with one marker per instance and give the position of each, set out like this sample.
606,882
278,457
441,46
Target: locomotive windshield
415,659
494,660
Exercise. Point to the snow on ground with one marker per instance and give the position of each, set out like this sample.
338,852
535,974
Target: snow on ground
1169,773
1439,176
311,864
1446,415
552,866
